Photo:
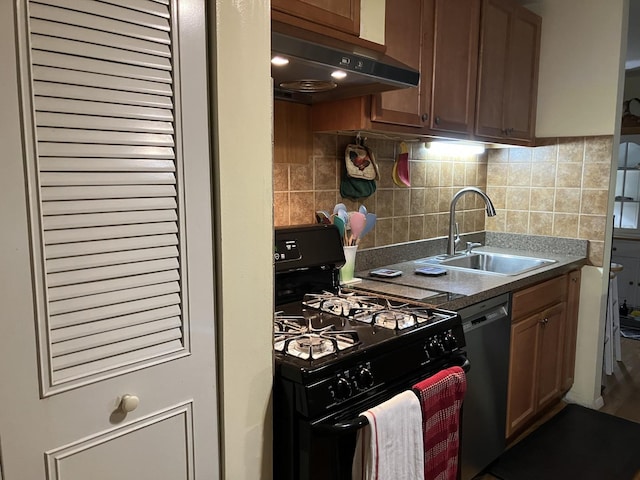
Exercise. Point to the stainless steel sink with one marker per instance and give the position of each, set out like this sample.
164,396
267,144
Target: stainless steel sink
485,262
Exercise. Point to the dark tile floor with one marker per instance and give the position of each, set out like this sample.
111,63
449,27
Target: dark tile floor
621,390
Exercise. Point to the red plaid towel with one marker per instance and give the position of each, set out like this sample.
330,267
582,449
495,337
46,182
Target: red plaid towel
441,398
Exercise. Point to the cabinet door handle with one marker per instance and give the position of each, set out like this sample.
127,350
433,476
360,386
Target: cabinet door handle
425,117
544,321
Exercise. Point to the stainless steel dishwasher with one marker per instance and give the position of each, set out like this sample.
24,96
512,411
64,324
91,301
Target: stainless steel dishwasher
487,329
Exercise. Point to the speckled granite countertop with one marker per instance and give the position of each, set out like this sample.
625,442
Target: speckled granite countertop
458,288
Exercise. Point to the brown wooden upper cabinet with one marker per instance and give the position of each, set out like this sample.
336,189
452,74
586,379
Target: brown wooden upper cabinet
341,15
440,38
474,72
508,72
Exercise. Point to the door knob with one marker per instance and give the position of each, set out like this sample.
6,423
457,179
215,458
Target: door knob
129,403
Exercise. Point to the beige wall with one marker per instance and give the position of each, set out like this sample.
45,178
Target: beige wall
241,87
579,66
372,20
580,93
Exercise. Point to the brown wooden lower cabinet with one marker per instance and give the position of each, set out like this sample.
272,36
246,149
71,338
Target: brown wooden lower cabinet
543,329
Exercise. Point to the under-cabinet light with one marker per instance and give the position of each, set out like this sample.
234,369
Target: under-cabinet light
339,74
455,148
279,61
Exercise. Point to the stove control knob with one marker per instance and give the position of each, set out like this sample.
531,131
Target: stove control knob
450,342
435,348
343,389
365,378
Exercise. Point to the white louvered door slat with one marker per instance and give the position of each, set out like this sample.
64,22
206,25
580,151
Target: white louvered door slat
112,245
115,362
57,222
95,136
49,179
101,9
103,101
97,23
71,32
124,346
112,298
50,149
75,92
89,261
154,7
110,54
86,329
114,336
58,164
102,313
103,286
99,80
100,233
83,64
104,273
49,119
115,192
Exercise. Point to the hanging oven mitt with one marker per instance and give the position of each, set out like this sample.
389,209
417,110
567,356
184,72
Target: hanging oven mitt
400,171
360,172
360,162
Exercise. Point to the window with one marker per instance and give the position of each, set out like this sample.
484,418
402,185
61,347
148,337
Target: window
627,198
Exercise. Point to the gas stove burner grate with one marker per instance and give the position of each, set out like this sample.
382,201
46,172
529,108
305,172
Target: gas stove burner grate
289,324
341,304
393,319
294,335
427,316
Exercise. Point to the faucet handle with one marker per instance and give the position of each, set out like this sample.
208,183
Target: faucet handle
471,246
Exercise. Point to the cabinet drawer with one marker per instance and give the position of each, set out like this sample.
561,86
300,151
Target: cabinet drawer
533,299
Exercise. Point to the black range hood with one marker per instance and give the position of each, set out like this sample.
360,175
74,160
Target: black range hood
307,77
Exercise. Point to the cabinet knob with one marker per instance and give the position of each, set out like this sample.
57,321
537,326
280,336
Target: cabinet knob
437,121
425,117
129,403
544,321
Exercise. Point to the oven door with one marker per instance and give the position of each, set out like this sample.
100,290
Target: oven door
325,447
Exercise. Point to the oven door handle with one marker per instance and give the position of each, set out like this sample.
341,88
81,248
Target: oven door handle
344,427
361,421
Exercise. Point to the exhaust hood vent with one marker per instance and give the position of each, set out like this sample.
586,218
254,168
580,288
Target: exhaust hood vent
315,68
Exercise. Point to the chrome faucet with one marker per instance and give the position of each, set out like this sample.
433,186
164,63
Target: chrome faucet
454,236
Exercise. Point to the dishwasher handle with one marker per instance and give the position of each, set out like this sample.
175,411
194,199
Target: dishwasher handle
493,315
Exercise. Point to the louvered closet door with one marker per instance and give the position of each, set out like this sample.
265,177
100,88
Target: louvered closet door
110,323
103,96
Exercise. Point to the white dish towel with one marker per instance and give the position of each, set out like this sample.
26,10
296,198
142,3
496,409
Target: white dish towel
391,447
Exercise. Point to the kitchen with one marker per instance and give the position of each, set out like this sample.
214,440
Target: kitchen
577,97
560,189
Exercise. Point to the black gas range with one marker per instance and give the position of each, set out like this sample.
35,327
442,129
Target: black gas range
339,352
